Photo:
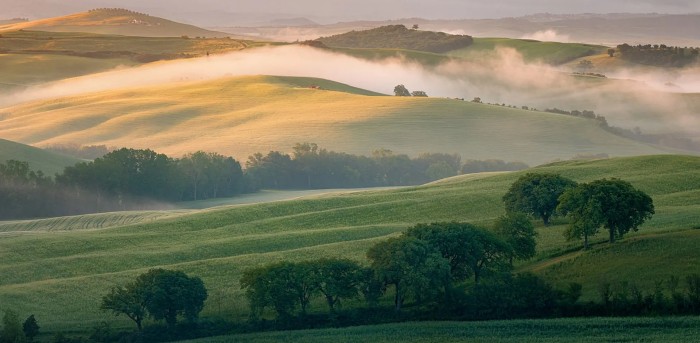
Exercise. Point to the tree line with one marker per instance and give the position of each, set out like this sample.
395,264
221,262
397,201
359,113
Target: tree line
658,54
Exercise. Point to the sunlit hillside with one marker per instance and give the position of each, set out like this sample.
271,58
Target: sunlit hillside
243,115
114,21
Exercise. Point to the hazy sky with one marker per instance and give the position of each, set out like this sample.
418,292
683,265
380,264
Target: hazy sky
336,10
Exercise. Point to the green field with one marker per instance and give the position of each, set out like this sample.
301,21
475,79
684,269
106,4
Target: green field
532,50
588,330
61,275
240,116
48,162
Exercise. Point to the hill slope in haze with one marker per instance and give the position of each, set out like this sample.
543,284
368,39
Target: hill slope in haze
243,115
61,275
48,162
114,21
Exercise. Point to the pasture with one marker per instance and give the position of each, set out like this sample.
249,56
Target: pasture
60,275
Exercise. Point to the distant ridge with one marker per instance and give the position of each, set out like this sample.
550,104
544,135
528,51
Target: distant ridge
399,37
116,21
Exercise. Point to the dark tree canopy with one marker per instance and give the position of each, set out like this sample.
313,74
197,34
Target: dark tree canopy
519,233
401,90
30,328
413,266
614,204
161,293
470,250
537,194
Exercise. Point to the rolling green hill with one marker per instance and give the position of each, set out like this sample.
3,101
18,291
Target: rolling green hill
244,115
113,21
61,275
48,162
532,50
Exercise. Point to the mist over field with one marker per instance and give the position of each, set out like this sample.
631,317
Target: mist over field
649,99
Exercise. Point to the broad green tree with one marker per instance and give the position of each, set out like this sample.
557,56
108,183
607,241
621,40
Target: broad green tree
517,231
338,279
537,194
401,90
414,267
470,250
613,204
282,286
128,300
171,293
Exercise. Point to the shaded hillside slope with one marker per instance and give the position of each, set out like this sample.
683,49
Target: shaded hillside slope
48,162
398,37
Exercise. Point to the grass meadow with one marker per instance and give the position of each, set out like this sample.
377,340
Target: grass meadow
60,275
585,330
48,162
240,116
532,50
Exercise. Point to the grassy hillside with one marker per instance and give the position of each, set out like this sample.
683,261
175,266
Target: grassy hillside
262,113
398,37
61,275
113,21
532,50
35,57
46,161
586,330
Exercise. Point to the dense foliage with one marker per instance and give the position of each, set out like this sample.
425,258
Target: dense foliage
399,37
537,194
659,54
614,204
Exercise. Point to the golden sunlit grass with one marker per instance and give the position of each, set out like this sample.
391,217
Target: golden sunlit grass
243,115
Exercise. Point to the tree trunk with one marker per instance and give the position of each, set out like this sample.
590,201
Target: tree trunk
585,240
612,235
138,324
398,299
545,219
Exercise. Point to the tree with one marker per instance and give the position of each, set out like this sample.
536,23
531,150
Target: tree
537,194
611,52
519,233
128,300
419,93
615,204
30,328
469,250
11,328
282,286
412,266
170,293
337,279
401,90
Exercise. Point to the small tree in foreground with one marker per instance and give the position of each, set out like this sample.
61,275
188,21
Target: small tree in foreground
30,328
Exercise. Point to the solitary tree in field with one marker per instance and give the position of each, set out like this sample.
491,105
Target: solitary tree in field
401,90
537,194
30,328
613,204
611,52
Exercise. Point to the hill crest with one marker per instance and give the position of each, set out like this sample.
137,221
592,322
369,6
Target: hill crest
399,37
116,21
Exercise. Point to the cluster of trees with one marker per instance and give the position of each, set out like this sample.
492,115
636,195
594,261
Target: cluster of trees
401,90
613,204
310,167
14,331
659,54
428,264
120,180
399,37
159,293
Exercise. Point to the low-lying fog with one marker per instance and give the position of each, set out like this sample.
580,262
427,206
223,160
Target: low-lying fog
501,77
